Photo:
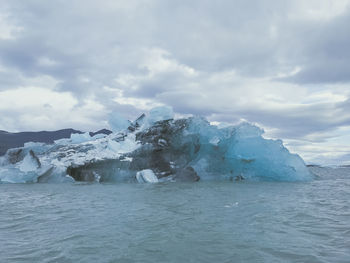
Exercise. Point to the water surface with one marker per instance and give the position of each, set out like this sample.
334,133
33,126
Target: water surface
177,222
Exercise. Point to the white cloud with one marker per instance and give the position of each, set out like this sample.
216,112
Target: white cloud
7,30
34,108
23,98
47,62
319,10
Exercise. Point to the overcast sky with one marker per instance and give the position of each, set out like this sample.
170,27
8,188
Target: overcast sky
283,65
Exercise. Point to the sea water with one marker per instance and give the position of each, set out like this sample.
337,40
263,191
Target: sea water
178,222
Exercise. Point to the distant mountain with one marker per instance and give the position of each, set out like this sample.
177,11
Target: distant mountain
12,140
103,131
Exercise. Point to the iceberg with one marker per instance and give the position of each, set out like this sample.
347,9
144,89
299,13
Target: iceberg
157,148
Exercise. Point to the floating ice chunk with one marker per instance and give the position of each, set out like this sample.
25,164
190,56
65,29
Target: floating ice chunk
146,176
160,113
117,122
79,138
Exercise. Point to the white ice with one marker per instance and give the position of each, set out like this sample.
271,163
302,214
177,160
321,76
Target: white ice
146,176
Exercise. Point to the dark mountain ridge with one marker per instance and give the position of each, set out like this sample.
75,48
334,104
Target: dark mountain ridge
12,140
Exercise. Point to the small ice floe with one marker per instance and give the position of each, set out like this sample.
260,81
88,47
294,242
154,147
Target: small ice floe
146,176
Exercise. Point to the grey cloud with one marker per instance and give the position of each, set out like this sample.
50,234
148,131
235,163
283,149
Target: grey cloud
8,80
205,35
82,36
323,51
87,45
223,35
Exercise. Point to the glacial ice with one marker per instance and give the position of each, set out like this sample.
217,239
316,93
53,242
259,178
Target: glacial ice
160,113
117,122
77,138
30,163
157,148
146,176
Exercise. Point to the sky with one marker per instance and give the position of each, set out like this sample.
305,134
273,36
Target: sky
282,65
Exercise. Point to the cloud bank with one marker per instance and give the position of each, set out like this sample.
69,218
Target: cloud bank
280,64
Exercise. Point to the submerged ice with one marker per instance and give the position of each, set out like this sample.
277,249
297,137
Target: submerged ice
156,148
